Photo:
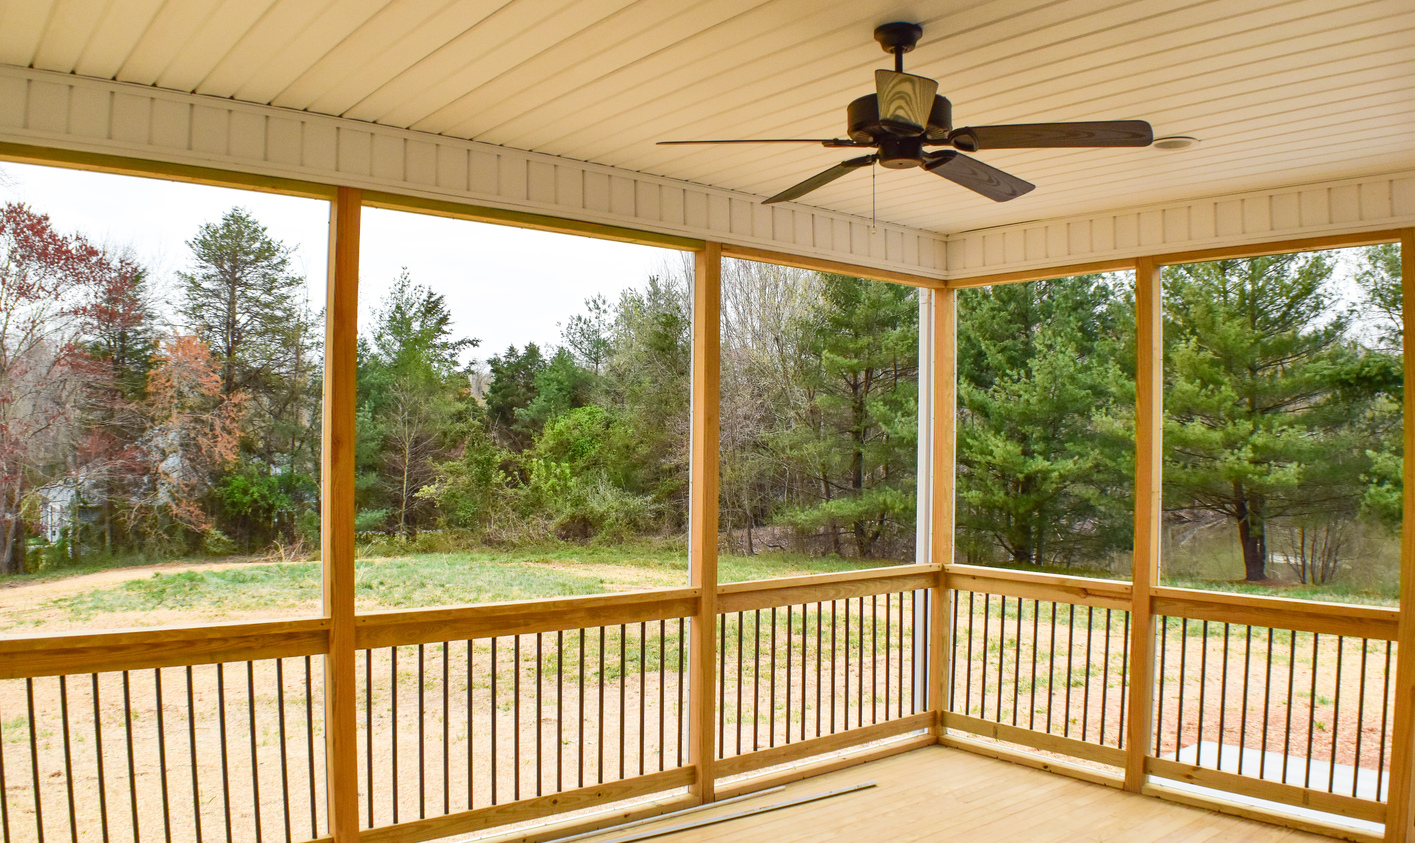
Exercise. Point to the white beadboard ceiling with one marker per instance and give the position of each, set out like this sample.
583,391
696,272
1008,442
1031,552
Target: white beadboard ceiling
1279,91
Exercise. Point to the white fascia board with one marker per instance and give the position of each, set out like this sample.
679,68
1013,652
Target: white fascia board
62,111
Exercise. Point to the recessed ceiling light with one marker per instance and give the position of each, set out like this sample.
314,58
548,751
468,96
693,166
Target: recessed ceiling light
1174,142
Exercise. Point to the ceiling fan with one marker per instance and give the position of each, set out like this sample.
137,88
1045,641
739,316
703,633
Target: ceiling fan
905,115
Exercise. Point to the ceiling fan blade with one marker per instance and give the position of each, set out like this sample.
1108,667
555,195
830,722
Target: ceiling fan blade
1104,133
822,141
820,179
977,176
905,100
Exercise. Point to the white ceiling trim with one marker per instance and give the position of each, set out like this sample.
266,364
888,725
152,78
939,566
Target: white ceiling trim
42,108
1346,206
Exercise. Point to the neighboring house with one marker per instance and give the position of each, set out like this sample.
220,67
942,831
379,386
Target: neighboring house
63,504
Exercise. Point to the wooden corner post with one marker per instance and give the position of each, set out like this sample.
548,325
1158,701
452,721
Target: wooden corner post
337,516
942,496
1149,454
1402,754
702,516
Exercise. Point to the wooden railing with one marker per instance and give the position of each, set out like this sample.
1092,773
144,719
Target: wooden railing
471,719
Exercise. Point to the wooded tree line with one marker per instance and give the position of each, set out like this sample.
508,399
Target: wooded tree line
1282,399
589,439
127,425
194,426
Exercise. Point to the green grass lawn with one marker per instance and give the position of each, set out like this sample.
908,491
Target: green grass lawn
428,579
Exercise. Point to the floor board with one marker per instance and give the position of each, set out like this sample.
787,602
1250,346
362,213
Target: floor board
948,794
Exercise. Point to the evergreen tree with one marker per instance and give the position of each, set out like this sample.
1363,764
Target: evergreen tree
1045,450
1261,390
860,441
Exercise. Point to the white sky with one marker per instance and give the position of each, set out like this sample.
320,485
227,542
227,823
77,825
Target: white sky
504,285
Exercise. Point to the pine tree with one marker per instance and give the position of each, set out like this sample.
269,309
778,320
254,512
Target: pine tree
1261,389
1044,444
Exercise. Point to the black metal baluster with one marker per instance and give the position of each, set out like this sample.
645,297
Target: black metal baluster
255,760
804,649
368,729
1125,680
983,657
559,711
162,757
225,754
1086,696
874,654
682,721
740,628
968,664
1070,651
5,792
1051,661
69,759
516,720
1032,685
540,710
471,739
422,733
1336,723
1360,716
787,709
771,708
1016,660
900,706
192,741
98,758
860,673
493,670
1247,668
309,747
834,662
663,694
600,737
1267,706
284,755
34,758
1159,694
623,683
1385,702
1291,680
1312,715
953,657
721,686
1223,699
820,616
446,736
643,673
580,717
1105,678
1183,680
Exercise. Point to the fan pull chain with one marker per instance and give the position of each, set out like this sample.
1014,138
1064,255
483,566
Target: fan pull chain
874,216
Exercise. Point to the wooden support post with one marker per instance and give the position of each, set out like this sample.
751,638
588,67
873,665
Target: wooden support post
1402,754
702,516
1149,455
942,497
337,514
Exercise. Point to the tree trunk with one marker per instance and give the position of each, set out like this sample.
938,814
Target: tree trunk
1251,536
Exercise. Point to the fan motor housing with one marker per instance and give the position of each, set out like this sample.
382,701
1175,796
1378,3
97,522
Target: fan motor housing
864,126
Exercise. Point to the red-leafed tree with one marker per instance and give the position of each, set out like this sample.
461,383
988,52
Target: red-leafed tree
194,431
46,281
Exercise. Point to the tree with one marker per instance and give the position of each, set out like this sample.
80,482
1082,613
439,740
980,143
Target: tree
512,389
46,279
1379,277
193,434
1045,449
1258,395
239,298
412,393
860,437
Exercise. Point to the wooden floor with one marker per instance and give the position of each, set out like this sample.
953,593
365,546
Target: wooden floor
951,795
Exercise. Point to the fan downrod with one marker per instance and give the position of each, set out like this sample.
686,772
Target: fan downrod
898,38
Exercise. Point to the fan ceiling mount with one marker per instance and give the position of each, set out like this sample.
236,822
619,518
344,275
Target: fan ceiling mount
906,115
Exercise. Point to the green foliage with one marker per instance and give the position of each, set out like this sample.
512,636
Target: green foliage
513,387
1045,450
577,476
1260,396
858,442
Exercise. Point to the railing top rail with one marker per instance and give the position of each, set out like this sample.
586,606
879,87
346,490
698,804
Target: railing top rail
136,649
786,591
453,623
1062,588
1378,622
